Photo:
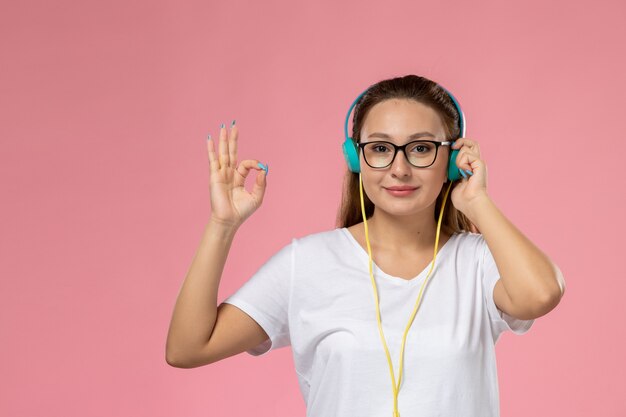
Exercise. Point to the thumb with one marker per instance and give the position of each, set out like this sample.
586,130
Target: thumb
258,189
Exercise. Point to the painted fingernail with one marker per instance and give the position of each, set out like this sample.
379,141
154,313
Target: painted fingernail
233,123
263,167
463,173
222,126
469,172
208,137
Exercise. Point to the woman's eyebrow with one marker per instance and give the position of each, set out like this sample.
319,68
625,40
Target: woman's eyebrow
413,136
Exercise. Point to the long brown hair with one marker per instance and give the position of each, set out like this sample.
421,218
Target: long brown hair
423,91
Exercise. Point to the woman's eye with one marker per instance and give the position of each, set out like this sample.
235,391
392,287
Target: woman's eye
380,148
421,148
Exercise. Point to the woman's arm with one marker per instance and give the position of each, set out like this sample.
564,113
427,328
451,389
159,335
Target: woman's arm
190,339
533,283
195,311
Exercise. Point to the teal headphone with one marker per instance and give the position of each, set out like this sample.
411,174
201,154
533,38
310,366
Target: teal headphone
351,152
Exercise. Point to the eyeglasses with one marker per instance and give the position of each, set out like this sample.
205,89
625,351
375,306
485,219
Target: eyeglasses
420,153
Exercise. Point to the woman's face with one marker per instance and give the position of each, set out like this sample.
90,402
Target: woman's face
399,119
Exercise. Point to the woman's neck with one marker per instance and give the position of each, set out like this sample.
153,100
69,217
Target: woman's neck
403,233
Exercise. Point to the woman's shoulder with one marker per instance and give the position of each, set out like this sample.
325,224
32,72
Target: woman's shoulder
330,239
467,236
469,243
324,237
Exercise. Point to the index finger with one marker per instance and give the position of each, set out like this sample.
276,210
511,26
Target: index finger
244,169
463,141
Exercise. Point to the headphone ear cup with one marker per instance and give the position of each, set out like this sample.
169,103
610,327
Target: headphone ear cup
453,169
351,155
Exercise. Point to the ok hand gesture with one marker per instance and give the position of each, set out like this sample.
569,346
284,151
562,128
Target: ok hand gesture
231,204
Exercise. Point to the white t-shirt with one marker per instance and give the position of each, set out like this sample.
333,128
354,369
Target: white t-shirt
316,295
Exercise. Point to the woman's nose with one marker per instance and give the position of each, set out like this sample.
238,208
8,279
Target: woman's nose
400,164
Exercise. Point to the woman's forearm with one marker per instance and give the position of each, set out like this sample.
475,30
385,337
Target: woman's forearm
195,311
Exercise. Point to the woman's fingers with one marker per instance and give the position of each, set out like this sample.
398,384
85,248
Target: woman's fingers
258,188
465,158
232,144
224,158
244,169
469,143
469,151
213,162
227,148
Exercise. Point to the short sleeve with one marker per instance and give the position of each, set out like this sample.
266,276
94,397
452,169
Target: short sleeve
265,298
490,276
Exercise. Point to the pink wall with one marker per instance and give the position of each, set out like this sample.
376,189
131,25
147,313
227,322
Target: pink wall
104,111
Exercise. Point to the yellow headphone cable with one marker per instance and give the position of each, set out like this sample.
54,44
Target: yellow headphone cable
396,388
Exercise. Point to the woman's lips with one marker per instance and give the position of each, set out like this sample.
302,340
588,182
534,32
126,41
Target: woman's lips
400,193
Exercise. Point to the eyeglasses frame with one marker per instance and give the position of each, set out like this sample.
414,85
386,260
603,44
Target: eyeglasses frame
396,148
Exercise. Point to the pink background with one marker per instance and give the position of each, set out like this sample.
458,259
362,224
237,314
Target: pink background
104,111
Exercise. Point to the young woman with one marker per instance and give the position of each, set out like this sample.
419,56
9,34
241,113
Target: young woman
399,308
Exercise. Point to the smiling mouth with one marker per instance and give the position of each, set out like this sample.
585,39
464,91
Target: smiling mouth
402,189
401,193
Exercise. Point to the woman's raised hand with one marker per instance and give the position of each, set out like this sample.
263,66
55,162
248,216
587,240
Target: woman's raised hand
231,204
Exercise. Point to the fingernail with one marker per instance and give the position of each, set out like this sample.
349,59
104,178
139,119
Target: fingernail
208,137
222,126
463,173
469,172
263,167
233,123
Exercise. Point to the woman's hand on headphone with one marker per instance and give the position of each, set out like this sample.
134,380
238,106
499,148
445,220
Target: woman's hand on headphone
231,204
473,186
